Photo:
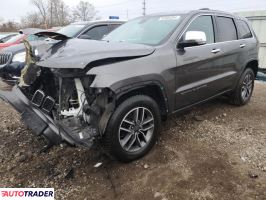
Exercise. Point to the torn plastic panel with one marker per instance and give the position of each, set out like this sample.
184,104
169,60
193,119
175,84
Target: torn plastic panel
40,122
31,71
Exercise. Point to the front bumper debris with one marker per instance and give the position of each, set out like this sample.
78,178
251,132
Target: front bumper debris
43,125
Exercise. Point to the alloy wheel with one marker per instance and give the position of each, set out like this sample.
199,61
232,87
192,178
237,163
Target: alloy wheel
136,129
247,87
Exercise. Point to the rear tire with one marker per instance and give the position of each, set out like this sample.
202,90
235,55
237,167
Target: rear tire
244,88
133,128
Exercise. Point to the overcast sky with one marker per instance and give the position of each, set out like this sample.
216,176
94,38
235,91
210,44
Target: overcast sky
14,9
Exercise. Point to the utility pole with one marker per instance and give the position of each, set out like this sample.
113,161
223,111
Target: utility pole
51,14
144,7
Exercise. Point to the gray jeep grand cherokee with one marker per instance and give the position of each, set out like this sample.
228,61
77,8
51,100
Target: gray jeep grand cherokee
118,90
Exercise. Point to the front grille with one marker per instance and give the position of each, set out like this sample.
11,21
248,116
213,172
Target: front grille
38,98
41,100
5,57
48,104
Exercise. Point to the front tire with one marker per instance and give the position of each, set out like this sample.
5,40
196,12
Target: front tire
244,88
133,128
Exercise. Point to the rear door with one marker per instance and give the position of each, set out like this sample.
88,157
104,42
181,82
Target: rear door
229,56
247,43
196,66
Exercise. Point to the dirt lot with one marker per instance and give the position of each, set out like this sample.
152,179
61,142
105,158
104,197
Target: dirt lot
215,151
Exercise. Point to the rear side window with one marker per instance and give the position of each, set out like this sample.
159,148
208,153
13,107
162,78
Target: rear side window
97,32
243,29
226,29
204,24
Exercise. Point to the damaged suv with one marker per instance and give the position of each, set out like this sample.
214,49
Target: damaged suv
118,90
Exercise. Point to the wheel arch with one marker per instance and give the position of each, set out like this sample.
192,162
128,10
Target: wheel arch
152,89
254,65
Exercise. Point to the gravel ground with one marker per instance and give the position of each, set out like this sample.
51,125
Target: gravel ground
214,151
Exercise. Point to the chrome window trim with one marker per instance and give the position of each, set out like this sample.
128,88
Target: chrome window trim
213,15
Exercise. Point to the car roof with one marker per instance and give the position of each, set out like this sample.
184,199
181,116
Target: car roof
199,11
99,21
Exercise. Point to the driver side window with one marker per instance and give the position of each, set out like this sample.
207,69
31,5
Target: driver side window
203,24
97,33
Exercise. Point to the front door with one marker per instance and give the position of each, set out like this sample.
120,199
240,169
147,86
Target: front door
196,66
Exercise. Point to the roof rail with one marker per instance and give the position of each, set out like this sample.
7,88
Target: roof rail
204,9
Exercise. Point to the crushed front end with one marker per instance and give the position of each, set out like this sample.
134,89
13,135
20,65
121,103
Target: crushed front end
60,105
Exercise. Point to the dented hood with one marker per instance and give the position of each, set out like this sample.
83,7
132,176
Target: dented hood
79,53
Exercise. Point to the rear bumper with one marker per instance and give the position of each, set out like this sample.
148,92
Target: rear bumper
34,118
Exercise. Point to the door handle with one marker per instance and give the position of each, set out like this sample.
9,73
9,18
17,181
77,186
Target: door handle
216,50
242,45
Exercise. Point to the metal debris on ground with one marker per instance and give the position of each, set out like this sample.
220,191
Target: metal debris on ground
253,175
98,165
70,174
146,166
198,118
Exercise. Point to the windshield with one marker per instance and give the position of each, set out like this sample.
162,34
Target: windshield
151,30
71,30
15,38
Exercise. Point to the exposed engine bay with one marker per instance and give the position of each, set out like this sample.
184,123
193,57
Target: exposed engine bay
78,110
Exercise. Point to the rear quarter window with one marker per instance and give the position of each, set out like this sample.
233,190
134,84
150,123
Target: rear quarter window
243,29
226,29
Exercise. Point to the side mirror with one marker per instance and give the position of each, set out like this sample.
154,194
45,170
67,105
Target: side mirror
85,37
1,41
193,38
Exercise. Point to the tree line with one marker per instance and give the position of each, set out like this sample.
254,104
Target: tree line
51,13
